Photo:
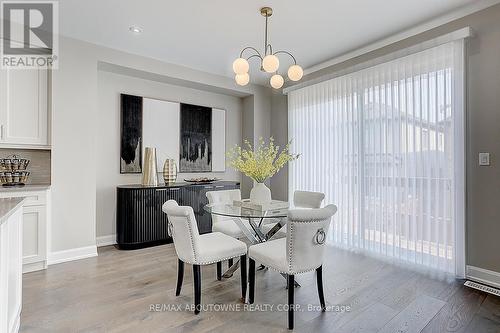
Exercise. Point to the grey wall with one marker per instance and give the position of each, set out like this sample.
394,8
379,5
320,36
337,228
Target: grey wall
110,85
248,134
256,124
483,133
75,125
279,131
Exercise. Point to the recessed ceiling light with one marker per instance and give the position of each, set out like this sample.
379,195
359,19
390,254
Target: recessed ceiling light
135,29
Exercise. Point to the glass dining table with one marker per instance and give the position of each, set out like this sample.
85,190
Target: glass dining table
253,231
256,220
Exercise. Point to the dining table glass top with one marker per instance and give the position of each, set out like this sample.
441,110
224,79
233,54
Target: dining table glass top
231,210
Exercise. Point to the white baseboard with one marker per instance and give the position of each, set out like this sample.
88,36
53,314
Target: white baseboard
34,266
482,275
106,240
72,254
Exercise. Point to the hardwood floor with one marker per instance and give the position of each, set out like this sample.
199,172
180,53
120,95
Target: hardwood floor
117,291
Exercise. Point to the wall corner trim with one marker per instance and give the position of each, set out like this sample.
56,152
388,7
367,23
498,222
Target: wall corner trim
482,275
72,254
106,240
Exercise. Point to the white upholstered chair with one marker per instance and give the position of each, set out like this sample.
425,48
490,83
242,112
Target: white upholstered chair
301,199
225,224
307,199
301,251
197,250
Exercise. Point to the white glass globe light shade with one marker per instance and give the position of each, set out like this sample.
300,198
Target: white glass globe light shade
240,66
270,63
277,81
242,79
295,73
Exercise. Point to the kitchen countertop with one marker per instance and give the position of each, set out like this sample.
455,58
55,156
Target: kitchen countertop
9,206
25,188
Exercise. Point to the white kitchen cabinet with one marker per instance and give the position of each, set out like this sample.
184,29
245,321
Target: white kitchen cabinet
10,269
34,238
35,228
24,108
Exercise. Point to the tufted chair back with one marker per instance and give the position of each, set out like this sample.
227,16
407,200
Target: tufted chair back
184,231
226,196
306,237
306,199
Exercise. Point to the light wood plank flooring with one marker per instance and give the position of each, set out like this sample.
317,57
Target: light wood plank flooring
115,291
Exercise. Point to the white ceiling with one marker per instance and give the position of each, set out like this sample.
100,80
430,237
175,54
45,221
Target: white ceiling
209,34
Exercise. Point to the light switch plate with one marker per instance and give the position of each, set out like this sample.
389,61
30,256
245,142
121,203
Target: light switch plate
484,159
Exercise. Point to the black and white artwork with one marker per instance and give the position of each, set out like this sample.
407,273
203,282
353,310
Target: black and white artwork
195,138
131,134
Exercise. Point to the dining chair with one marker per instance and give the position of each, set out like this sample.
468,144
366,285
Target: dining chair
307,199
199,250
301,199
301,251
226,224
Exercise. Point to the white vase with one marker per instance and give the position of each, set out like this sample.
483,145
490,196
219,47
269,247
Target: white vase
260,194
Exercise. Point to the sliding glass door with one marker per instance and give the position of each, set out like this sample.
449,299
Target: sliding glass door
385,144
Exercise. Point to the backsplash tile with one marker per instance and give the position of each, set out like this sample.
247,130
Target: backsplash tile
39,166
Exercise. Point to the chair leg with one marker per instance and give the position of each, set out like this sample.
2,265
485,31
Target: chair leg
197,288
180,277
219,270
251,280
291,290
243,272
230,262
319,282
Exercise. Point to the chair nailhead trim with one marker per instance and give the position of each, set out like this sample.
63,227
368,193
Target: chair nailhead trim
290,248
213,262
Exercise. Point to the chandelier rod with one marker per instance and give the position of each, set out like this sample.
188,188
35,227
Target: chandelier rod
286,52
265,39
250,48
269,61
255,55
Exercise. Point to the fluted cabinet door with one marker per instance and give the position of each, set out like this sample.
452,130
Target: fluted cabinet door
140,221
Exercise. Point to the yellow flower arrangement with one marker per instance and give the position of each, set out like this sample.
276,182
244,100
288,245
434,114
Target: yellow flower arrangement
262,163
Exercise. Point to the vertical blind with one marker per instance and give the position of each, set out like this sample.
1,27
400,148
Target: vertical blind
386,145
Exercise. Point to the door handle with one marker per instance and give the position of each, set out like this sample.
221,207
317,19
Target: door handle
2,136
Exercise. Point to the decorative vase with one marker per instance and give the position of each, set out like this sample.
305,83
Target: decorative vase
149,170
260,194
169,171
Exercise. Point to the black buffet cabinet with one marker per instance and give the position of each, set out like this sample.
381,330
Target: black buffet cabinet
140,221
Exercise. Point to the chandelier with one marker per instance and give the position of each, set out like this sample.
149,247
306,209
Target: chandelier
269,62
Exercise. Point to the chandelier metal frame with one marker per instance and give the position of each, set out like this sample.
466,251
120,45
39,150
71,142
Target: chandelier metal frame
241,66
